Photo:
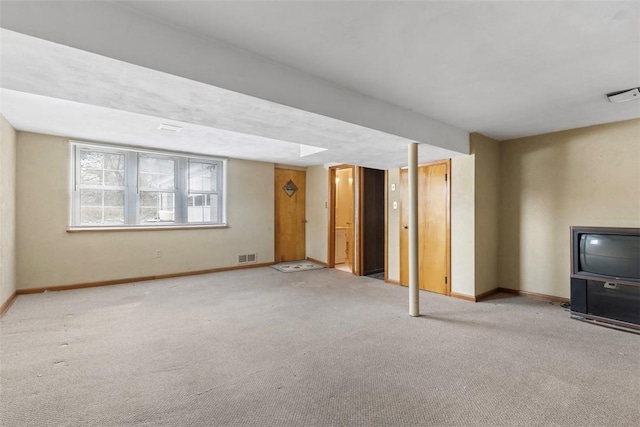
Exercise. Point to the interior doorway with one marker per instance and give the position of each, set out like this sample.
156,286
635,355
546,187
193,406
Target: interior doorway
434,218
342,218
372,196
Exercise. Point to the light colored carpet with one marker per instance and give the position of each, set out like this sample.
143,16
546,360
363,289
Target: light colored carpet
295,266
318,348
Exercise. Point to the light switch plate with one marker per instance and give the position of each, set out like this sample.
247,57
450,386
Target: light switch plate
393,187
395,205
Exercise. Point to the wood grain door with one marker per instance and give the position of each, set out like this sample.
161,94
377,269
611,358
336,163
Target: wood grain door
289,214
433,228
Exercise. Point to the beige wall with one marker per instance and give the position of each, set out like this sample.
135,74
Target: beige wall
344,197
7,210
475,197
317,213
523,194
393,225
486,152
49,256
463,225
585,177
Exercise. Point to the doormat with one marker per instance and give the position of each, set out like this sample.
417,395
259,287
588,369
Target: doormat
291,266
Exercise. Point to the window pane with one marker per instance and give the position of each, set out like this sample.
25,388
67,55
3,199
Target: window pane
114,215
157,173
91,159
91,176
115,178
91,167
91,216
113,198
101,207
98,168
203,176
202,208
114,161
157,207
90,198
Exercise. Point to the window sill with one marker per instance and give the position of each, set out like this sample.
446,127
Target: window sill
146,228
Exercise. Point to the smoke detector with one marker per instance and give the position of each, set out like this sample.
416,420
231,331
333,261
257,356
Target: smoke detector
624,95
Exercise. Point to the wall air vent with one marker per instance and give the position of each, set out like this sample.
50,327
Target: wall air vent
247,258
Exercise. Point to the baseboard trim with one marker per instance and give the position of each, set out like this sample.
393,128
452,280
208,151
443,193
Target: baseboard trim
484,295
5,305
534,295
316,261
487,294
463,296
137,279
393,282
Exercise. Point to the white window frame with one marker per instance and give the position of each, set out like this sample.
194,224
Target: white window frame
176,185
132,186
219,191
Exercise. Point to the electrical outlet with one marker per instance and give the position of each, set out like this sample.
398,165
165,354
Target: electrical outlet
158,253
395,205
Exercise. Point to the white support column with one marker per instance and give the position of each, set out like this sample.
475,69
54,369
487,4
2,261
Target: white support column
414,280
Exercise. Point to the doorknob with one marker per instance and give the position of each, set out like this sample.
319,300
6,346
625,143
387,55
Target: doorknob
406,227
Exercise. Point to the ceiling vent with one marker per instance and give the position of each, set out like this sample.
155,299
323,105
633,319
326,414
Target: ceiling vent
624,95
169,128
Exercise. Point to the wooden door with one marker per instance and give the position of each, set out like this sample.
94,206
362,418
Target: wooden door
372,241
289,215
433,228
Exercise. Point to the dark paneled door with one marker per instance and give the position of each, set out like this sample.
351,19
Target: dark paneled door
373,241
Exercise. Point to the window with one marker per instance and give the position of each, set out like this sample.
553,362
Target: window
126,187
156,189
204,192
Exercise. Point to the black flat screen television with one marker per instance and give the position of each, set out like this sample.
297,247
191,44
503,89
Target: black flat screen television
607,254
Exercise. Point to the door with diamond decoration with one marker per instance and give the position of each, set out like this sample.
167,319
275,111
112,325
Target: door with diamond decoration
289,214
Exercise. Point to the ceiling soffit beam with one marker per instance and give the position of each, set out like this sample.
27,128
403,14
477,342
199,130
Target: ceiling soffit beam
117,32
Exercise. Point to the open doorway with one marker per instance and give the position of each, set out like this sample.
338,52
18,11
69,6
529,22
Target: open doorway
372,222
342,218
357,220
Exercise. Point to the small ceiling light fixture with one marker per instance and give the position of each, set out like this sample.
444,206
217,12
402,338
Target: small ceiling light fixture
169,128
624,95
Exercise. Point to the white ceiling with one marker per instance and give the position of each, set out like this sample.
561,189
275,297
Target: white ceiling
55,89
504,69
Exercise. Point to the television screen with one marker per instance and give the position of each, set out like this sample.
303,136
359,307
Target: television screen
613,255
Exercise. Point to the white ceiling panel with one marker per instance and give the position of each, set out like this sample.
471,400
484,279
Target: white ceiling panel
504,69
